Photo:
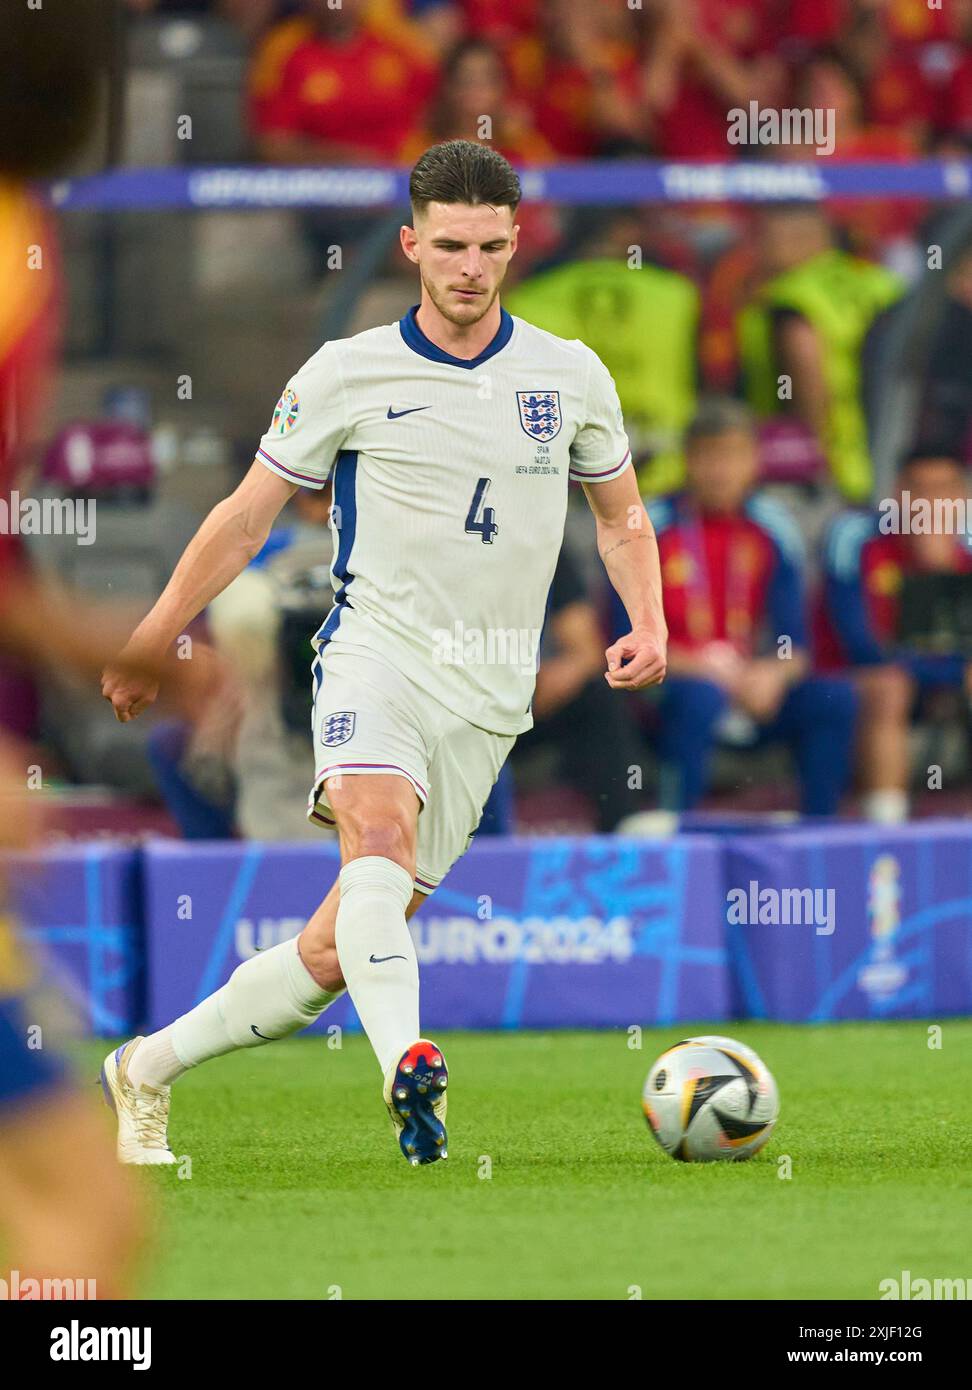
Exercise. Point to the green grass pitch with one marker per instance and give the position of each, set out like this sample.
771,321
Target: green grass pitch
297,1188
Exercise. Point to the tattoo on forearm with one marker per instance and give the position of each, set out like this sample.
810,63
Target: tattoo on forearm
625,540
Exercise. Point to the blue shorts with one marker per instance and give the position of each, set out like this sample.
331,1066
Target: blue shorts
26,1073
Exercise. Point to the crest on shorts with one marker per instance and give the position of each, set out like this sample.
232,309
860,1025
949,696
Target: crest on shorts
540,414
338,728
286,411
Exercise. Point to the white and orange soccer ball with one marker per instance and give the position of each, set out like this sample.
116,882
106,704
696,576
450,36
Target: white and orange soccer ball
710,1098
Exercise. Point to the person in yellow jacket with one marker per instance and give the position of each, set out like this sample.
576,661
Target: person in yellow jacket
642,321
800,337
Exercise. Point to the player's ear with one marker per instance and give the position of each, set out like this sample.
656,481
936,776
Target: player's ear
514,236
409,239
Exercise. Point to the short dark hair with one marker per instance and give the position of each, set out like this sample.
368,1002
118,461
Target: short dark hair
53,61
932,451
463,171
718,415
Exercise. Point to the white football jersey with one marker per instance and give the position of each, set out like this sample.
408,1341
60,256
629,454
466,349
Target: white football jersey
450,495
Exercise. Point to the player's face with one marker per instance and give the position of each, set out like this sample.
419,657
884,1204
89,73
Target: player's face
934,480
462,253
720,470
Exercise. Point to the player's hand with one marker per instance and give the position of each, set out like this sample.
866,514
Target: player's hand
135,680
128,683
637,660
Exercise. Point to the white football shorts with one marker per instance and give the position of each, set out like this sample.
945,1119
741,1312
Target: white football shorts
369,718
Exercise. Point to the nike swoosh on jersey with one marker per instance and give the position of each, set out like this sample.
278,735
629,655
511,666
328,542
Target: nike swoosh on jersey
397,414
377,960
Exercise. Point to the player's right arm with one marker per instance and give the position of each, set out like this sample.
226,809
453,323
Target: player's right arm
231,535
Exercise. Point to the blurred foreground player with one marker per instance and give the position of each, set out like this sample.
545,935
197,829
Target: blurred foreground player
65,1212
451,436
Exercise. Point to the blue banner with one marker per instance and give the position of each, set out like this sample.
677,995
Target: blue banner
80,909
810,924
851,922
597,182
582,933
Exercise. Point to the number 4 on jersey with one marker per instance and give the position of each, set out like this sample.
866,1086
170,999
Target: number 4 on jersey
486,529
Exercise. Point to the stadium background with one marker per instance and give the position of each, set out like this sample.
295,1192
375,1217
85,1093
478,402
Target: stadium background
239,205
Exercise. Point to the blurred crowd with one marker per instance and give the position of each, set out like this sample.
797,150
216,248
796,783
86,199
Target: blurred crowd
567,79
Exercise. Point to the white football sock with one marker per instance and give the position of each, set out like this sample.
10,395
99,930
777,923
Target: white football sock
377,954
266,998
154,1062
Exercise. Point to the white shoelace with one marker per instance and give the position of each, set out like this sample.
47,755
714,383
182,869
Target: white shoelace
151,1119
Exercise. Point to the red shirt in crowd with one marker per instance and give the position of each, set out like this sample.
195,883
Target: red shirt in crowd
858,609
501,20
726,577
366,93
695,126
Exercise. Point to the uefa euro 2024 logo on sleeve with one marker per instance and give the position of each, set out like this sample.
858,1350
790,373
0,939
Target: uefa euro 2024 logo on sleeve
540,414
883,975
286,411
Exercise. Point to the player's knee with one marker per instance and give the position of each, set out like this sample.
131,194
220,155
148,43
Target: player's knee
886,694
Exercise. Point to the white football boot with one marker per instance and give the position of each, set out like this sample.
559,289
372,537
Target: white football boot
143,1113
415,1093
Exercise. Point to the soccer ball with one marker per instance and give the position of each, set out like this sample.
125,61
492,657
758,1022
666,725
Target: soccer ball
710,1098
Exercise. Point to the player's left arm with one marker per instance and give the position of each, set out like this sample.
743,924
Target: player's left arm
628,547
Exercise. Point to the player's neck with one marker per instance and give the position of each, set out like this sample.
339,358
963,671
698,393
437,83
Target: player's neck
459,340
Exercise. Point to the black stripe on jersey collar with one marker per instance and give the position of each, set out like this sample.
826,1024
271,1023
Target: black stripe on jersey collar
414,338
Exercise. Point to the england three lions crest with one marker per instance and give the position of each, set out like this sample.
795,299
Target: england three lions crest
338,728
540,414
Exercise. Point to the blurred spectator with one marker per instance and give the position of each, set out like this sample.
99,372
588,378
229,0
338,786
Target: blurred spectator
732,568
329,86
475,102
581,73
704,58
946,407
897,92
877,227
595,734
641,320
728,284
898,666
800,336
250,765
